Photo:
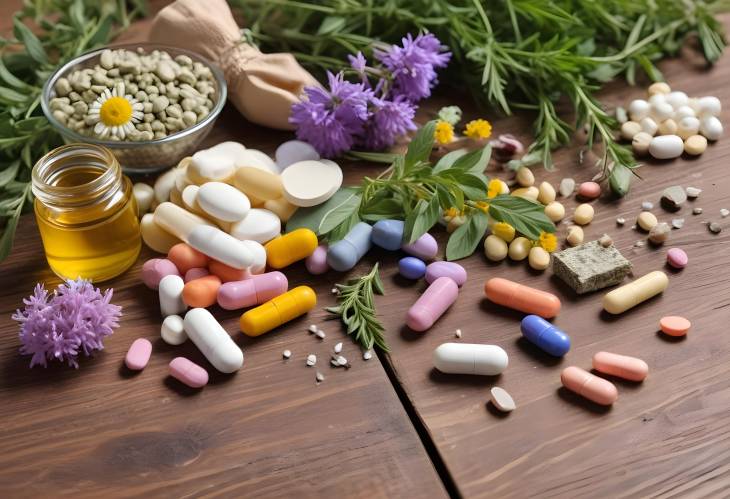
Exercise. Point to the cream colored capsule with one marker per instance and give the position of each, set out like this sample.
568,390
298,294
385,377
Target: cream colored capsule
555,211
667,127
695,145
190,201
527,193
495,248
629,129
621,299
646,220
177,221
144,194
519,248
546,193
640,143
539,259
261,184
283,208
583,214
154,236
525,177
575,235
659,87
164,184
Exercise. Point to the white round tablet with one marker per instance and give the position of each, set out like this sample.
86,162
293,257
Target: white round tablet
223,201
228,148
294,151
190,198
309,183
259,225
256,159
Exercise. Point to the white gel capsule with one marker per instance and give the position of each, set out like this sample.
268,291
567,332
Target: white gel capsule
666,146
259,257
661,111
220,246
677,99
638,109
212,340
684,112
709,106
177,221
223,201
170,289
711,128
173,331
470,358
164,184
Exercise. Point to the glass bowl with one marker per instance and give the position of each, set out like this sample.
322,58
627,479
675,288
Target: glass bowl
147,156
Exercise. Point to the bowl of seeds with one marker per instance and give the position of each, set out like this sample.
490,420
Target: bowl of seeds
151,105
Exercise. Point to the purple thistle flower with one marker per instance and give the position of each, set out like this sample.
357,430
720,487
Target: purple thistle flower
389,120
330,120
358,62
77,317
413,65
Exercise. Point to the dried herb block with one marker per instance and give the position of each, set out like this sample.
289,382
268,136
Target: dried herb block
590,266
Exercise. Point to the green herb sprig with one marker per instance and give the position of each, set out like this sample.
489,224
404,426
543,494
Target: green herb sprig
356,309
67,28
512,54
417,191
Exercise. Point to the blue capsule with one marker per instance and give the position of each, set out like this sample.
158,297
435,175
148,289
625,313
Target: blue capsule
388,234
345,253
545,336
411,267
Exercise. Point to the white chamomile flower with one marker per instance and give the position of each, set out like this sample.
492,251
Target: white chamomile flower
115,114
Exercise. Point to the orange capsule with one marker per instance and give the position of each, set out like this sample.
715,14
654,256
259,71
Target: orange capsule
621,366
587,385
226,272
201,293
523,298
185,257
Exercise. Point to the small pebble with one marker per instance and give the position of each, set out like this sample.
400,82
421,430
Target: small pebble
313,328
589,190
286,354
673,197
647,206
674,325
583,214
341,360
567,186
693,192
697,211
334,291
639,244
620,220
458,333
538,258
367,355
338,347
319,377
659,233
641,142
525,177
678,223
501,399
677,258
724,212
320,334
646,220
334,363
605,241
311,359
714,227
575,235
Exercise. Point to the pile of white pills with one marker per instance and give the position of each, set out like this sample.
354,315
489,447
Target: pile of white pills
670,122
242,192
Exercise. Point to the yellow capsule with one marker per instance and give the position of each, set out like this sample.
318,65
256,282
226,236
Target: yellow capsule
282,309
289,248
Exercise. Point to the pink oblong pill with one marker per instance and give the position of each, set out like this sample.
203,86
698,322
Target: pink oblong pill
425,247
677,258
253,291
138,354
621,366
188,372
195,273
155,269
588,385
446,269
432,304
316,263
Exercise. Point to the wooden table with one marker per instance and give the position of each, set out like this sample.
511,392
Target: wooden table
393,426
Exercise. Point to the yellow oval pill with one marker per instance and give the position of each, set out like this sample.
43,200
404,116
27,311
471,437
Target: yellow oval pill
258,183
278,311
289,248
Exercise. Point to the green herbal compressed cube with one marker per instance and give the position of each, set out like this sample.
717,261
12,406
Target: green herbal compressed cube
590,266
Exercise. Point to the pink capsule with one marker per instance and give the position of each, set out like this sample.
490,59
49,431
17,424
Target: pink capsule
588,385
253,291
155,269
432,304
425,247
138,354
188,372
195,273
316,263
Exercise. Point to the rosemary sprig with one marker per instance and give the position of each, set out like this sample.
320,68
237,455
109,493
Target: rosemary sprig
356,309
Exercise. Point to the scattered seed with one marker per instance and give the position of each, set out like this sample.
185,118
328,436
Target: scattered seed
639,243
341,360
458,333
724,212
286,354
620,220
334,363
715,227
647,205
605,241
334,291
320,334
367,355
697,211
313,328
338,347
319,377
678,223
693,192
567,186
311,359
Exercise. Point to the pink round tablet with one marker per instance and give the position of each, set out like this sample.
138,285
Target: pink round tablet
195,273
188,372
589,190
316,263
155,269
138,354
677,258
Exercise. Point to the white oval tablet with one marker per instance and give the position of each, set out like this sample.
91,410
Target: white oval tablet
172,330
259,225
189,197
229,148
501,399
209,165
293,151
470,358
212,340
259,257
223,201
309,183
256,159
666,146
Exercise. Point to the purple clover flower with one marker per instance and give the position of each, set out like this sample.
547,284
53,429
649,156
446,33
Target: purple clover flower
413,65
76,318
389,120
331,120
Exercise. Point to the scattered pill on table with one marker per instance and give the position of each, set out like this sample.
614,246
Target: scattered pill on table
453,270
629,295
647,206
338,347
138,354
620,221
501,399
677,258
212,340
678,223
470,358
589,190
545,335
311,360
320,334
659,233
605,241
172,330
458,333
367,355
674,325
188,372
693,192
432,304
724,212
277,311
523,298
621,366
714,227
319,377
567,186
588,385
673,198
646,220
411,267
583,214
286,354
697,211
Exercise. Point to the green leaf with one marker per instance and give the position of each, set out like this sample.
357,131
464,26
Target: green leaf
381,209
375,157
527,217
474,187
475,161
448,160
420,220
32,44
6,240
9,173
339,214
341,230
102,33
11,96
420,147
76,14
311,218
464,240
331,24
620,180
10,78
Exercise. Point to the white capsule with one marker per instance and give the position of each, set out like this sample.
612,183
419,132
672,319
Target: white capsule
677,99
164,184
220,246
173,330
687,127
709,106
711,128
470,358
170,289
683,112
661,111
638,109
212,340
657,98
649,126
223,201
144,195
259,257
666,146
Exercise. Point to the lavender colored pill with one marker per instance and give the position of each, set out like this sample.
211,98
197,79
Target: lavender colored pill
155,269
446,269
138,354
195,273
293,151
188,372
425,247
411,267
432,304
677,258
316,263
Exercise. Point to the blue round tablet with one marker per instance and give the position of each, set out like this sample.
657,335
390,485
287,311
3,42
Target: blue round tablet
411,267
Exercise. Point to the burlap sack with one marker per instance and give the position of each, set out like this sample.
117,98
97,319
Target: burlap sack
263,87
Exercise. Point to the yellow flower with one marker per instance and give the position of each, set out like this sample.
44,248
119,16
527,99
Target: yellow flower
444,132
451,212
483,206
478,129
494,188
504,231
548,242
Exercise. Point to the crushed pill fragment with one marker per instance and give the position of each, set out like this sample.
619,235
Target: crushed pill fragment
458,333
620,221
724,212
501,399
647,206
678,223
606,241
341,360
697,211
320,334
311,360
367,355
714,227
312,328
693,192
338,347
286,354
319,377
334,363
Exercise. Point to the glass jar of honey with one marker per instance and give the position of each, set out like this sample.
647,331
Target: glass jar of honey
86,212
